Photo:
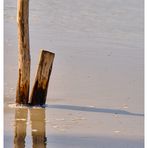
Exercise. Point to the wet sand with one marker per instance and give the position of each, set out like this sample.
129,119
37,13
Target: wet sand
95,96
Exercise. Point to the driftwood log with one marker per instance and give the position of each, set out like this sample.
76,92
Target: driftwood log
40,87
22,91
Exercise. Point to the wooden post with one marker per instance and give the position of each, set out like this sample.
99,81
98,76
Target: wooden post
22,92
39,92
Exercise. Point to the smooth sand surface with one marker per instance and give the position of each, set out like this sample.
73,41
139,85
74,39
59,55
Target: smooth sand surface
95,96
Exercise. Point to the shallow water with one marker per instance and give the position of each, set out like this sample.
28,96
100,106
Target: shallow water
97,73
61,126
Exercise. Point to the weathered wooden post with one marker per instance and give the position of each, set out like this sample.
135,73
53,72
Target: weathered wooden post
22,92
39,92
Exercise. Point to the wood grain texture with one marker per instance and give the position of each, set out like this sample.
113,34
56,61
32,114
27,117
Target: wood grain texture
39,91
22,92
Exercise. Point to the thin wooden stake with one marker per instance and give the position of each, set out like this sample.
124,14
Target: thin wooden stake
39,92
22,92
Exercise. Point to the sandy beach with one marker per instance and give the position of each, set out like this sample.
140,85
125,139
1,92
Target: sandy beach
96,90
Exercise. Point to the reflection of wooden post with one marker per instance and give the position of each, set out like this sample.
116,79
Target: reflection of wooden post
20,127
37,117
22,92
39,92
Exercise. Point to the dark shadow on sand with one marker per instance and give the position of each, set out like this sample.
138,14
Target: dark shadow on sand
93,109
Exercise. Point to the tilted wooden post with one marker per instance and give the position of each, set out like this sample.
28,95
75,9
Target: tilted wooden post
22,92
39,92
